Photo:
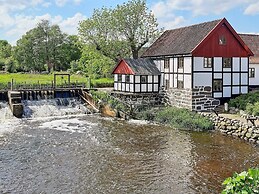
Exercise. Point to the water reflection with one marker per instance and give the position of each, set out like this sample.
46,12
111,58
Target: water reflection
87,154
217,157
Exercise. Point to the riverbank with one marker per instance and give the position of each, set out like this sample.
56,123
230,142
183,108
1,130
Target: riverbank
235,126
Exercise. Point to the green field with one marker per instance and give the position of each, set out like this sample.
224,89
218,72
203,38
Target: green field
20,78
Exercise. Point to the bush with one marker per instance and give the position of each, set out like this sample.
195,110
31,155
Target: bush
178,118
253,109
241,101
245,182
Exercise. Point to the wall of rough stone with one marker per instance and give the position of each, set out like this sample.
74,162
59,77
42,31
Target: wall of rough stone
234,127
197,99
179,98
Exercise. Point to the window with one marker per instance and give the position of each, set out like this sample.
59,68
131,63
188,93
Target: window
180,62
207,62
119,77
143,79
227,63
179,84
127,79
222,40
217,85
167,63
251,72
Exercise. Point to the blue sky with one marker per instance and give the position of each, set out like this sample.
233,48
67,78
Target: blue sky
19,16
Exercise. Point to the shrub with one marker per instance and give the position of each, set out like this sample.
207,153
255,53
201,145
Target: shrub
245,182
253,109
178,118
242,100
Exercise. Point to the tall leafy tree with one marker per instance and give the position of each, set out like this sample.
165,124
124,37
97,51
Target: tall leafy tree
45,46
7,62
120,32
99,31
136,24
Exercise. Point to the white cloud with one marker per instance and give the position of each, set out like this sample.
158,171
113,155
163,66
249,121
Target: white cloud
166,10
70,25
61,3
22,24
252,9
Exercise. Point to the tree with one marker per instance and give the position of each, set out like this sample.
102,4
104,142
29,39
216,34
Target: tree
45,46
136,24
121,31
7,61
94,64
100,32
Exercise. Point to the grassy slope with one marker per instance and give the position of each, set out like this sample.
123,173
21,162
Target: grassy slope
45,79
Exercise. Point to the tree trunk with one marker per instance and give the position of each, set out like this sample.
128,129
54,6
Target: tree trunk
134,53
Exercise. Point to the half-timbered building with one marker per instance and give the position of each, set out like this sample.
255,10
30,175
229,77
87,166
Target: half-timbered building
200,63
136,76
252,41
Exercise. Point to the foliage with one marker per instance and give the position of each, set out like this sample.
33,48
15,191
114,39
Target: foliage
245,182
242,100
7,62
108,99
120,31
253,109
45,45
93,64
178,118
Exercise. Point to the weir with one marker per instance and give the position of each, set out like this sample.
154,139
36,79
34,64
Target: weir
16,98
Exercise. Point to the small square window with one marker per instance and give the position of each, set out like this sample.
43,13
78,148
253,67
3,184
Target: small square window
207,62
251,72
227,63
180,62
217,85
222,40
180,84
127,79
119,78
167,63
143,79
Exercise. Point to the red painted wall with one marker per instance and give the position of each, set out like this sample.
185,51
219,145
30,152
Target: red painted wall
210,47
123,68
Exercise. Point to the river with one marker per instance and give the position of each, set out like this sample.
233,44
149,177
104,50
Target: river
75,152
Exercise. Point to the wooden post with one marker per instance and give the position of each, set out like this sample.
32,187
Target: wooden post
12,85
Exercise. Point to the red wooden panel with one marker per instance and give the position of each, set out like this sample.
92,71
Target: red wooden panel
123,68
234,46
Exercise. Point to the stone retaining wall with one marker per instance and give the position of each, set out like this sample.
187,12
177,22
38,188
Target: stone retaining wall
197,99
234,127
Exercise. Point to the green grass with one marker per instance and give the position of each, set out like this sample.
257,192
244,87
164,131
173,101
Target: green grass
20,78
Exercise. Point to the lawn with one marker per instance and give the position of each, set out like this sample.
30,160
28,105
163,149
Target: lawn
24,78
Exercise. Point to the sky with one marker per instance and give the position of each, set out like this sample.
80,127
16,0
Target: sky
19,16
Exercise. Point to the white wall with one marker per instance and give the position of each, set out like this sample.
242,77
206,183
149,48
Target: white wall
187,81
244,64
187,65
236,64
254,81
217,64
202,79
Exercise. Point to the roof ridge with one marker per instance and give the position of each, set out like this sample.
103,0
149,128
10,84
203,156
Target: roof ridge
195,24
248,34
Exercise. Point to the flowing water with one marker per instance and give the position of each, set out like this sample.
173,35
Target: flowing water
79,153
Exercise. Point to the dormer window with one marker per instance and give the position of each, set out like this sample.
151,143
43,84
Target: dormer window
222,40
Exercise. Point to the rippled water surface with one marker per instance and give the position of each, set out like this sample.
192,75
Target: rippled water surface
89,154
